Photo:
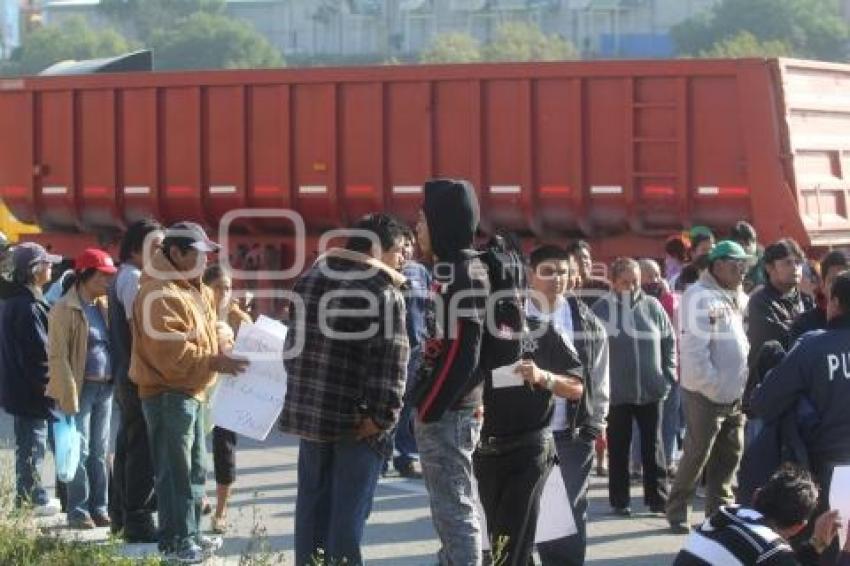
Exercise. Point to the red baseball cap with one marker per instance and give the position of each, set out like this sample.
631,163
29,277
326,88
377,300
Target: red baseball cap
93,258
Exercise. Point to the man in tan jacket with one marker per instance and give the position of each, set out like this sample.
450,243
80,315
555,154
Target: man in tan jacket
174,362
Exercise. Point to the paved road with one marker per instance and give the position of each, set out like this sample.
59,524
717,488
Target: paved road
399,532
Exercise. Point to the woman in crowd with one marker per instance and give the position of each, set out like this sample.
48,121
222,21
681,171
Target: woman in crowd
80,380
224,441
23,372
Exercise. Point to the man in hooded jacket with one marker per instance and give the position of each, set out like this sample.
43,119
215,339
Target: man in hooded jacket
448,395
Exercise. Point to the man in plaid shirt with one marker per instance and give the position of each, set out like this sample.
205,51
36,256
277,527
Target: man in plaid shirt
345,385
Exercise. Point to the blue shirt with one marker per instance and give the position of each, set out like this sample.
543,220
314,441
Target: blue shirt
98,367
416,298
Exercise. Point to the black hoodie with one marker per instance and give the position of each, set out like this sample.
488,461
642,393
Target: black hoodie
448,377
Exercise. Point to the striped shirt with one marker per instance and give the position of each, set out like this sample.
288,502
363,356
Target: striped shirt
735,536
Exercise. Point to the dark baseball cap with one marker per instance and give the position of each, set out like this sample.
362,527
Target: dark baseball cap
193,232
28,254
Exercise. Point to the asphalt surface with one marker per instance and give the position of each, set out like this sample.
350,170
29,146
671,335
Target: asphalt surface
399,532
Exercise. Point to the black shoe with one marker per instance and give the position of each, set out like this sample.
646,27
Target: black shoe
140,537
140,533
101,520
81,524
622,511
679,528
409,471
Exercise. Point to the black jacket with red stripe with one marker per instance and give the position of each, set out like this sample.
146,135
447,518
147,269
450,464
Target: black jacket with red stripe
456,311
455,315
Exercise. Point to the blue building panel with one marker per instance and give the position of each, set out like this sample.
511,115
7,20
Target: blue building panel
636,46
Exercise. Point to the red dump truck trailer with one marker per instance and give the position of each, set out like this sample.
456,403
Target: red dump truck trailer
622,153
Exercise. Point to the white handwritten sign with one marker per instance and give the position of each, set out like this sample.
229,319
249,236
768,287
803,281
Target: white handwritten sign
839,498
250,403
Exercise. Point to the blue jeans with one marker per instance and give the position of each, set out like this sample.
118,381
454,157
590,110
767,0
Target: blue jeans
30,448
87,492
445,449
175,424
404,441
752,428
336,484
576,460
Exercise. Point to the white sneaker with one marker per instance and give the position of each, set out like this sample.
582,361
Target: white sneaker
189,554
210,544
49,509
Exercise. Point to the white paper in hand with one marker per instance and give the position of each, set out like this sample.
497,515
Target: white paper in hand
505,376
556,518
839,498
249,404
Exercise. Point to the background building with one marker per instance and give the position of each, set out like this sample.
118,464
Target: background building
344,30
10,26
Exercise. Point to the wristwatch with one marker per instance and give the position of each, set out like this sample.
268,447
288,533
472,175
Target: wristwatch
549,381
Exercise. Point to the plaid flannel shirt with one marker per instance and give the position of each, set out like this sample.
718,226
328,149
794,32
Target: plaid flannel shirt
339,378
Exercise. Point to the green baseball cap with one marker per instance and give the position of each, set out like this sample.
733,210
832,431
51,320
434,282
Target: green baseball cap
727,249
701,231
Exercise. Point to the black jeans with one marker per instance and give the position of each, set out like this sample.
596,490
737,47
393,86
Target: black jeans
224,455
132,501
575,456
510,484
652,454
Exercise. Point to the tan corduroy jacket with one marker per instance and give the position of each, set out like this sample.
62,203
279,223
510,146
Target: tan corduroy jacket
174,334
67,347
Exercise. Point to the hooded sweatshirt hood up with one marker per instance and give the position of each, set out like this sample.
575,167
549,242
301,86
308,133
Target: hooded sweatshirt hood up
451,209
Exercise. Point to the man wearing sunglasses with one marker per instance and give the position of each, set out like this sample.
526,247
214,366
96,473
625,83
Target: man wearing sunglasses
713,350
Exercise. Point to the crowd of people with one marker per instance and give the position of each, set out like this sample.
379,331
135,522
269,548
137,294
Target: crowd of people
151,336
474,369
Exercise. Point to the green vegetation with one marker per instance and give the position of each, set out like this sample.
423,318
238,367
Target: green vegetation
23,543
72,39
512,41
452,47
522,41
745,44
212,41
801,28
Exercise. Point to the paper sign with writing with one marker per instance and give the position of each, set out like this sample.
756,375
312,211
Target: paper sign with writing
250,403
